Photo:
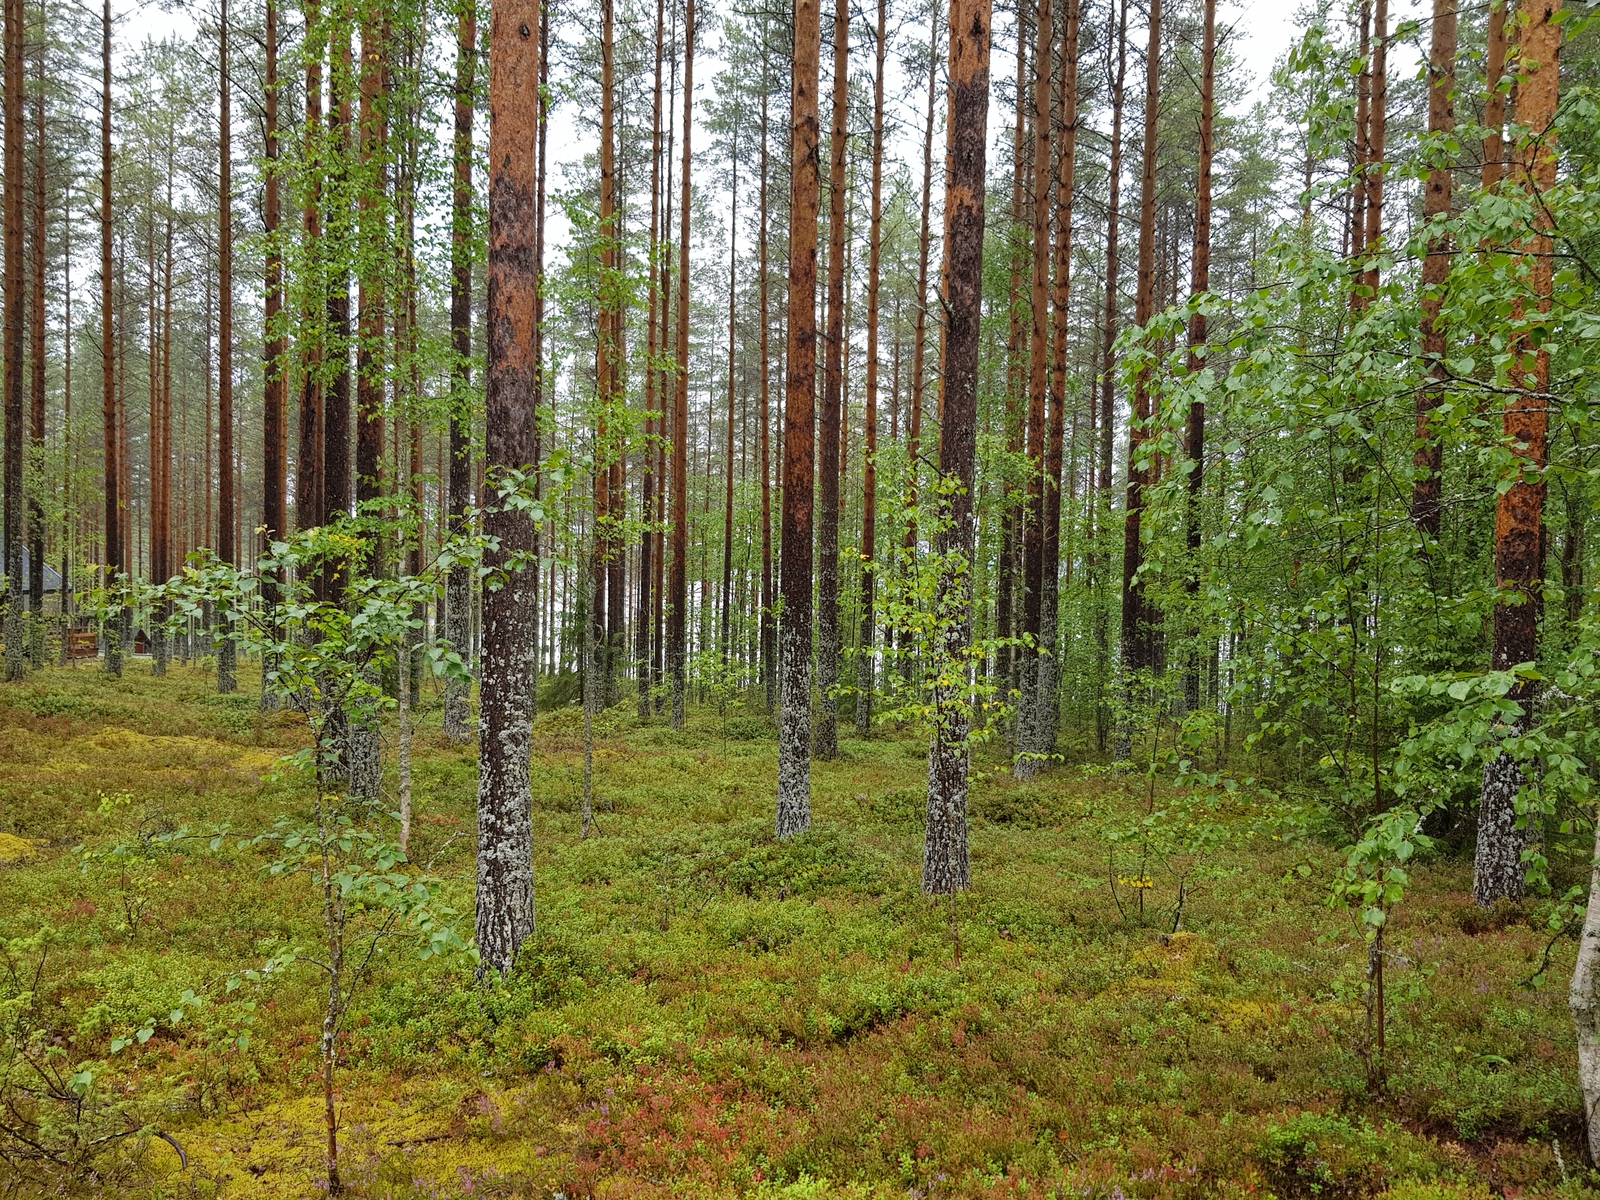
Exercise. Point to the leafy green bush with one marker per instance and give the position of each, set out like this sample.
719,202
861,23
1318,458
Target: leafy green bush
808,864
1325,1155
749,729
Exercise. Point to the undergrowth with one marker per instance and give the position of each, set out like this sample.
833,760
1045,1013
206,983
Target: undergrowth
706,1011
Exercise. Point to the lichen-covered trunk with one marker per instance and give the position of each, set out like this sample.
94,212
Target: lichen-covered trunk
945,867
799,439
1519,512
505,914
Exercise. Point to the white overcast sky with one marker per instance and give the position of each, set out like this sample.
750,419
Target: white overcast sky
1264,30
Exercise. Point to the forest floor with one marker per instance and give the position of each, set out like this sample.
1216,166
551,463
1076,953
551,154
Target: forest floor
707,1012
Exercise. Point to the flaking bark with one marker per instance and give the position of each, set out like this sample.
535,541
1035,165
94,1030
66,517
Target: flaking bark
945,867
1519,511
795,557
505,914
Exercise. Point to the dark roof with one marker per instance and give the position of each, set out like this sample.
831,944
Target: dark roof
52,577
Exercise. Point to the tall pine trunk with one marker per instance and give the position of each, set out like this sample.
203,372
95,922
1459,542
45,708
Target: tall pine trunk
1519,511
1050,665
1199,284
677,618
1104,422
458,594
799,439
1372,237
650,479
373,247
505,913
726,596
227,551
1138,632
1027,762
274,428
919,336
1007,658
114,559
336,456
865,650
829,420
308,500
36,385
769,665
945,868
15,512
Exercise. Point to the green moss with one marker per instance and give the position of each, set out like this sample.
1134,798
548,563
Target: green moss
707,1011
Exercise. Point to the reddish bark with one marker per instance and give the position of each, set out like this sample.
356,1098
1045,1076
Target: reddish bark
1519,511
505,913
945,866
794,631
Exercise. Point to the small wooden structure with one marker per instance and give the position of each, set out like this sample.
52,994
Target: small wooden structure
82,643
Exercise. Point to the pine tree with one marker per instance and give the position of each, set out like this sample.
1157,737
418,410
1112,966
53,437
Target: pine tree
505,913
677,630
799,439
1519,511
16,537
829,420
945,866
869,472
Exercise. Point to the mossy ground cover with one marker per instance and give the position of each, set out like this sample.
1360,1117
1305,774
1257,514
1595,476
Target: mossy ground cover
708,1012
